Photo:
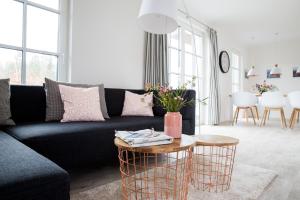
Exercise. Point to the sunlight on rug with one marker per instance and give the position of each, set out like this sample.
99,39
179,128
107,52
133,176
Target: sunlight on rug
248,183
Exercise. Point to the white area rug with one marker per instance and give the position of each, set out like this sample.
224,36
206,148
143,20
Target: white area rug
269,147
248,183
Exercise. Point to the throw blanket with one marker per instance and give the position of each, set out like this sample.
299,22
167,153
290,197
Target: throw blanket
142,138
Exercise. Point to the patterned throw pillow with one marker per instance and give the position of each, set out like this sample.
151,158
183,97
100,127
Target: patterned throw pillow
138,105
80,104
55,107
5,114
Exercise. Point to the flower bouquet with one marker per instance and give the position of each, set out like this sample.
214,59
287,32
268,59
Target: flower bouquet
172,101
265,87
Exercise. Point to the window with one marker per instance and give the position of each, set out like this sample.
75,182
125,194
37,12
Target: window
29,40
236,72
186,60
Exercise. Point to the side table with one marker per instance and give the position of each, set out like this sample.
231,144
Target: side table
213,161
156,172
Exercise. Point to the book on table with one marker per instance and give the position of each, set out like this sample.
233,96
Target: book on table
143,138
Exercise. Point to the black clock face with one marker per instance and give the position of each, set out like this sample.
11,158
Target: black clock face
224,61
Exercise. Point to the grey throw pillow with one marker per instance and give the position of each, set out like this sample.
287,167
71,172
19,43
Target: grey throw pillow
55,106
5,114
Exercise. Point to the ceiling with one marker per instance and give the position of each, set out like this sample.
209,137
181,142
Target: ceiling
251,22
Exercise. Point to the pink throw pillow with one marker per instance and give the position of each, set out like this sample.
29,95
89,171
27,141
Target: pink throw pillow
138,105
80,104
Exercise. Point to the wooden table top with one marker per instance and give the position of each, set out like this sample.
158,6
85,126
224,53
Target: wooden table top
184,143
259,95
215,140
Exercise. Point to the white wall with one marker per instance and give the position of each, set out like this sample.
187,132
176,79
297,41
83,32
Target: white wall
107,45
287,55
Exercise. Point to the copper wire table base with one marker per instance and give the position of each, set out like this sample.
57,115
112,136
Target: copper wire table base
155,173
213,161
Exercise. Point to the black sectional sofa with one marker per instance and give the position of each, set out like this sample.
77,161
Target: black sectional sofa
34,154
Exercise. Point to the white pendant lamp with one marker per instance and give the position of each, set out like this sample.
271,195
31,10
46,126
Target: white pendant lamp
275,70
251,72
158,16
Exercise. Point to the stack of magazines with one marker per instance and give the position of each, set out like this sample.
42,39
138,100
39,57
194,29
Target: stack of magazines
143,138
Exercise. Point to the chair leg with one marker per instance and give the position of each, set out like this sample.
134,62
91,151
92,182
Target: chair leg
269,114
253,116
246,114
295,118
292,118
298,116
235,114
283,118
256,110
263,117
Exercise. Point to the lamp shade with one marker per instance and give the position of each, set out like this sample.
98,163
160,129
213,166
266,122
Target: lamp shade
251,72
158,16
275,70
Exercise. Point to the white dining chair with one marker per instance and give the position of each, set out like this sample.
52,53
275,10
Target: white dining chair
244,101
294,100
273,101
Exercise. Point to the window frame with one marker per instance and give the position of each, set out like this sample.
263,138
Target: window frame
24,50
202,71
181,54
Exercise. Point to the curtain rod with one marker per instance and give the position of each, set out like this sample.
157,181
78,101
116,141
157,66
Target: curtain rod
189,16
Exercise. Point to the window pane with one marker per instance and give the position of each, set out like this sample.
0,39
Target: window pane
174,61
174,37
187,79
40,66
11,13
42,29
199,45
188,41
235,76
235,60
200,67
235,88
48,3
188,65
199,90
174,80
10,65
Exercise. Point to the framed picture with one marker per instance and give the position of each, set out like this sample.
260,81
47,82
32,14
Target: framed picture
295,74
269,75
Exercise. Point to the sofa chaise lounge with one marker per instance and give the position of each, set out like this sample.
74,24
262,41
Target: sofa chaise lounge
38,152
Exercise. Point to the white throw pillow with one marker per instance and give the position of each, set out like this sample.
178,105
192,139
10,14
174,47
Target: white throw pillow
138,105
80,104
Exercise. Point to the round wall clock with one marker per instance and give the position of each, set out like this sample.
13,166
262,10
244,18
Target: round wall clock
224,61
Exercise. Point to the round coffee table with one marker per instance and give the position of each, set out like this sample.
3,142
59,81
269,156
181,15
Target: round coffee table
156,172
213,161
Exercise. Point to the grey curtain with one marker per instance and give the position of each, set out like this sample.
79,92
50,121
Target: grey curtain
214,93
156,59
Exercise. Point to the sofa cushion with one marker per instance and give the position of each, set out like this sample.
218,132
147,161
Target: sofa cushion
28,103
79,143
55,107
138,104
25,174
80,104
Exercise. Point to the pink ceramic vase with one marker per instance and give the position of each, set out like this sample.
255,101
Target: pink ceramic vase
173,124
